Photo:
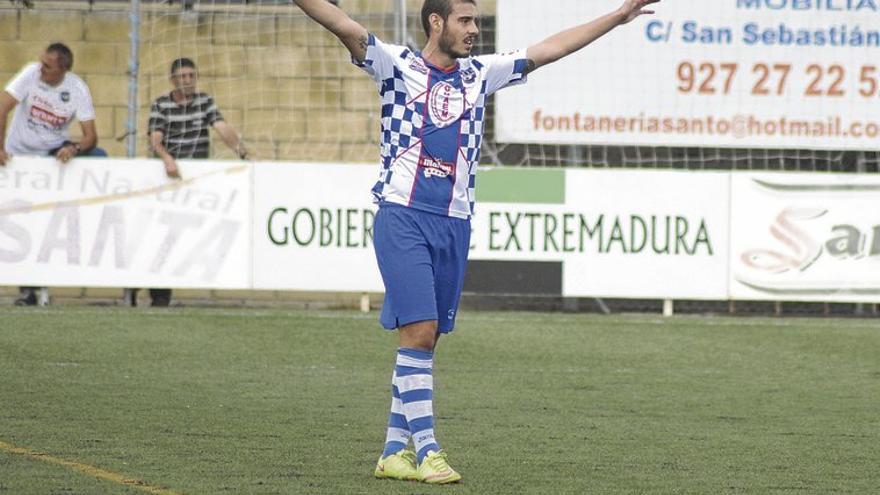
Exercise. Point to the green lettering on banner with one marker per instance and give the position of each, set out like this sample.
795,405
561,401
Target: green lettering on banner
493,230
616,236
703,238
591,231
272,238
311,220
633,230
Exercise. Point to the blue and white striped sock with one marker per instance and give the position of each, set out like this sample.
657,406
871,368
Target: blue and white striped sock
416,387
398,429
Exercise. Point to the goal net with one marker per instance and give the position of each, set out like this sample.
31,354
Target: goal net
289,88
287,85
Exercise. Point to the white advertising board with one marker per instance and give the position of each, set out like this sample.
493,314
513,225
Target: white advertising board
112,223
735,73
308,227
640,234
312,227
805,237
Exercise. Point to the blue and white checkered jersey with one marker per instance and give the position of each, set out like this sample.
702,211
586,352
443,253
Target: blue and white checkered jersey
432,124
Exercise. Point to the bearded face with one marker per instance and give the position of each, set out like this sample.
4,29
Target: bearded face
459,31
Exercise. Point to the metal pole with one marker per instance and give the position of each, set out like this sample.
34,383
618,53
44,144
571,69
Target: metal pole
133,64
400,34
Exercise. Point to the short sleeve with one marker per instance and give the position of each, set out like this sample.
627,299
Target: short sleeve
379,61
85,109
503,70
157,120
18,86
212,112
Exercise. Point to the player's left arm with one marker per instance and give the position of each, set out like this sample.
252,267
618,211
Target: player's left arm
231,138
571,40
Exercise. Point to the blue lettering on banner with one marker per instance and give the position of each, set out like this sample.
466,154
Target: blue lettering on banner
814,5
782,34
706,35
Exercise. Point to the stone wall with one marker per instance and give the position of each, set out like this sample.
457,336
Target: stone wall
280,79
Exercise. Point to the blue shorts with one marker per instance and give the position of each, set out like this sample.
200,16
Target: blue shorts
422,257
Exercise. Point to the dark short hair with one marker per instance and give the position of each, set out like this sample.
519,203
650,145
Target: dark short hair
182,62
441,7
65,56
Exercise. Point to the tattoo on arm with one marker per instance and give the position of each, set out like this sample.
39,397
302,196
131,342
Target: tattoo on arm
364,41
530,66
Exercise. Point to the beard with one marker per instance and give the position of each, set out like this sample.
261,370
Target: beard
447,45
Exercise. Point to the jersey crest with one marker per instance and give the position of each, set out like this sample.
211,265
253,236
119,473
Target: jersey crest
445,104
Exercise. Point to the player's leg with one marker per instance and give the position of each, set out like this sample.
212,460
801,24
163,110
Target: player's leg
405,264
449,240
396,462
415,366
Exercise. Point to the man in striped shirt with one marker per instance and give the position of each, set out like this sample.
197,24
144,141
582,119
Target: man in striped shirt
180,121
179,127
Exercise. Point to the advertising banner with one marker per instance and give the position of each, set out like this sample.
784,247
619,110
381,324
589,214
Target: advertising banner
555,232
805,237
112,223
733,73
313,227
641,234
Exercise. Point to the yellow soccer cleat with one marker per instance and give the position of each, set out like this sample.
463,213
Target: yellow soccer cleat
435,469
399,466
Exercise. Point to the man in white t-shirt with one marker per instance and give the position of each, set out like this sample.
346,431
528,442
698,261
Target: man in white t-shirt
49,97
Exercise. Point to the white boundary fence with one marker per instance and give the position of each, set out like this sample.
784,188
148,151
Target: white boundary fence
299,226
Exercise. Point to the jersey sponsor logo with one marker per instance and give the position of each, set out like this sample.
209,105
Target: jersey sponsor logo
65,96
433,167
418,66
445,104
46,117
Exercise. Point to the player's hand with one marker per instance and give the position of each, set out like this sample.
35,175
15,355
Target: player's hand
4,157
635,8
171,168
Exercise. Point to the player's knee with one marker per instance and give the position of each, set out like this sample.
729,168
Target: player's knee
421,335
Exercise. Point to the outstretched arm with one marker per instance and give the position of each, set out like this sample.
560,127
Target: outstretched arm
350,33
571,40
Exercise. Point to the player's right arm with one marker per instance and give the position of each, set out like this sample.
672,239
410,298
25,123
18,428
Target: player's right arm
7,103
354,36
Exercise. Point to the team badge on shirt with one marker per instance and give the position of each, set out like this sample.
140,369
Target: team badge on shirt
445,104
65,96
468,75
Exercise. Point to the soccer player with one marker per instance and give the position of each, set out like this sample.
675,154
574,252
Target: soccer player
433,110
